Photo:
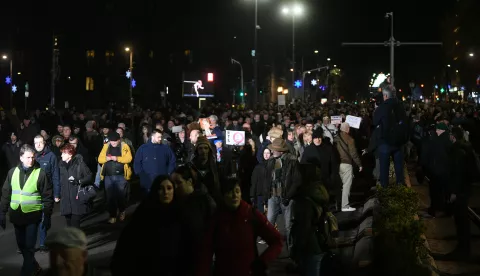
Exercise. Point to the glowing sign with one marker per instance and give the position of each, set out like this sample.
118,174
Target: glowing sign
380,78
14,89
314,82
128,74
198,85
134,83
210,77
8,80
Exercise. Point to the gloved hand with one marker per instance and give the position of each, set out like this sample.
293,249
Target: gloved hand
3,221
285,201
47,222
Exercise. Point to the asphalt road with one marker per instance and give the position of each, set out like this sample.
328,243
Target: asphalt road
101,243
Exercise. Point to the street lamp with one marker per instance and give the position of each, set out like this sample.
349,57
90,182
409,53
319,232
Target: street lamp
471,54
294,11
5,57
316,51
128,50
234,61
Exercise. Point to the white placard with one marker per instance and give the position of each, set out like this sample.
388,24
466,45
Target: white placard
281,99
235,138
353,121
336,120
176,129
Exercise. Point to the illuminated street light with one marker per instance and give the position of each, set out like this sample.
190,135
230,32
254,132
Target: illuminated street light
448,65
316,51
291,69
328,59
471,54
294,10
132,82
4,57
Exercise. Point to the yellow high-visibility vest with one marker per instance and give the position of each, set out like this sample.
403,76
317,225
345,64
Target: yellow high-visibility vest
28,198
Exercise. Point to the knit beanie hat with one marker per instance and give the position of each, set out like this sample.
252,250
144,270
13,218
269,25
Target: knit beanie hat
202,140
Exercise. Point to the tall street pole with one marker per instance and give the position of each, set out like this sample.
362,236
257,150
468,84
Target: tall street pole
54,72
293,52
131,78
11,83
392,42
255,58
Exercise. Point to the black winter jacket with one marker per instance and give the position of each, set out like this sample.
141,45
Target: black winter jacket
292,178
74,177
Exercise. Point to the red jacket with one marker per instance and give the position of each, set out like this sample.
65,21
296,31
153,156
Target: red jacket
231,237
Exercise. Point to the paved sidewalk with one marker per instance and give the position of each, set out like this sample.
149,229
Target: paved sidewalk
441,233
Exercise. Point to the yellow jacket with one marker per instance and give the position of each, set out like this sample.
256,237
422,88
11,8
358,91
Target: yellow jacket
125,159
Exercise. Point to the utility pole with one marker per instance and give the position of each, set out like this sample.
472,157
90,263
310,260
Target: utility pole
391,43
255,58
55,52
241,80
131,77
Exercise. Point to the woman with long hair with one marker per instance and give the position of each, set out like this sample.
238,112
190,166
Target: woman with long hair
151,242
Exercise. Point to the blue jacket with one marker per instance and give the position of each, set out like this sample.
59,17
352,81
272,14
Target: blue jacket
49,163
152,160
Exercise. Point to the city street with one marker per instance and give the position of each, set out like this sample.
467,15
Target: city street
101,243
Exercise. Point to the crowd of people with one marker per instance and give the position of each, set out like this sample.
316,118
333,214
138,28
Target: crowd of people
204,204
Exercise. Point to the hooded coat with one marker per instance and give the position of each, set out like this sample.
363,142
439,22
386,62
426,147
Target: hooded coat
308,205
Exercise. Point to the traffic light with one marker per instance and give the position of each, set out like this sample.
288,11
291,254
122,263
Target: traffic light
241,94
245,93
442,90
261,92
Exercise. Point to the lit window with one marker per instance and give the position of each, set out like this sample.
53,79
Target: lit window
109,54
456,29
89,86
90,54
455,58
457,43
150,54
187,52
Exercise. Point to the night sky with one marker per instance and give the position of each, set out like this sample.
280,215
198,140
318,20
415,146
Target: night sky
214,24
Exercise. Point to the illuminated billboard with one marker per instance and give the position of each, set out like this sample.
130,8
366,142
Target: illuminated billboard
198,85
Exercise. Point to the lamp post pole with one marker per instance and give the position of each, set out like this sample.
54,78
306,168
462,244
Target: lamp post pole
241,80
255,58
392,42
131,78
11,83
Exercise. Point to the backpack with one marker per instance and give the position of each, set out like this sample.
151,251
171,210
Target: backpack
396,131
327,227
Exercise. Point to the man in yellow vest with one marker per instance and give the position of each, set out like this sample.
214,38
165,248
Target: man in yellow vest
25,190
